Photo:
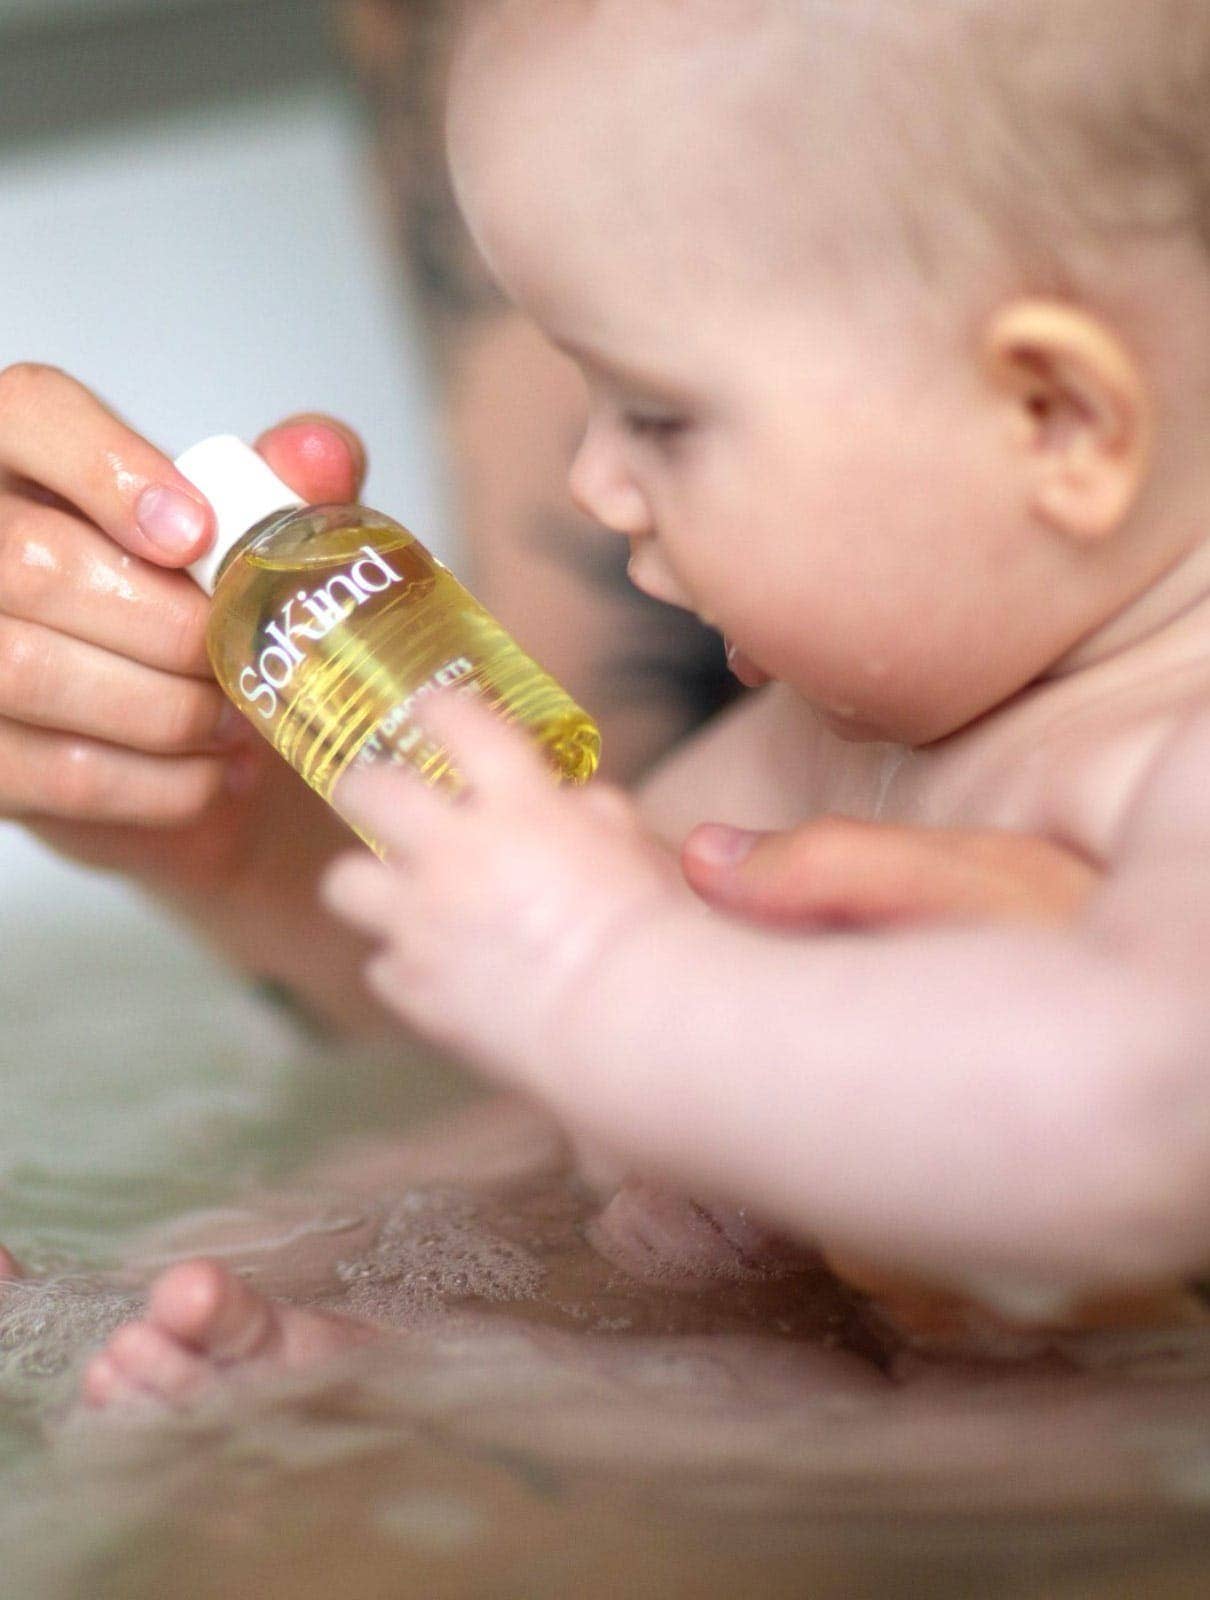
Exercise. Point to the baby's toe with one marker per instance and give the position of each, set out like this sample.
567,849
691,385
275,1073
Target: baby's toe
142,1361
104,1384
207,1309
204,1322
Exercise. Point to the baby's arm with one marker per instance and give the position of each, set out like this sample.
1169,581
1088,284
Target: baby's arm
1008,1112
968,1106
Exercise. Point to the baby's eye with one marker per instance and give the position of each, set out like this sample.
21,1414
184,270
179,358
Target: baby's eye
658,426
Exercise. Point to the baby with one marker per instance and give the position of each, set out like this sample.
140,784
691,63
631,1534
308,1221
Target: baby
896,320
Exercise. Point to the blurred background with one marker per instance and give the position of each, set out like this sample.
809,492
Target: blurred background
189,225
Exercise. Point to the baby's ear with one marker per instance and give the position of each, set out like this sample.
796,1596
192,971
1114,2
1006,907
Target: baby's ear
1083,416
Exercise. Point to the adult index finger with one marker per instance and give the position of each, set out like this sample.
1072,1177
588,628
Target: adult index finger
57,435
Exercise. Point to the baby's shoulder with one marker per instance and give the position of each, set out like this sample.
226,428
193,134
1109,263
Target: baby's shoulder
1088,777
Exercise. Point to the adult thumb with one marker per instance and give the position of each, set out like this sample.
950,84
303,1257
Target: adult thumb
319,458
820,873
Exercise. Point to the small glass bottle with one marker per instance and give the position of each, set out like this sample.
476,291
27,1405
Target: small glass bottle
331,622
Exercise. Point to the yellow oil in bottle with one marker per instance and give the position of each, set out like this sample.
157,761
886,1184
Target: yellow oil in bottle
330,623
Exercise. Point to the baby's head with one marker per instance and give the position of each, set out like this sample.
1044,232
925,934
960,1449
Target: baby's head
895,316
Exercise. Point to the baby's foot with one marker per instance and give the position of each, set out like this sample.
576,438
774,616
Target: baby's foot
660,1236
9,1267
203,1323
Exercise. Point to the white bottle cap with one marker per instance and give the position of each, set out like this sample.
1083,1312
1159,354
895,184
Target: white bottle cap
243,490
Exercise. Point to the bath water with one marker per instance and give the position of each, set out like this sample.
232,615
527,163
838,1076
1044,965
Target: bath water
557,1429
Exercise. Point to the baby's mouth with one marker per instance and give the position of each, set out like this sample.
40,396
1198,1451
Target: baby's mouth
744,668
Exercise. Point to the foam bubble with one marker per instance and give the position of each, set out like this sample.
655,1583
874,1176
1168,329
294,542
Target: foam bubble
46,1325
435,1247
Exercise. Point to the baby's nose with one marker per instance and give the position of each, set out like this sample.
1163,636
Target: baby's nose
603,490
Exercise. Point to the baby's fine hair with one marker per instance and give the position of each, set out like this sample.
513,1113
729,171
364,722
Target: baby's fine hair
1106,103
1068,123
1071,124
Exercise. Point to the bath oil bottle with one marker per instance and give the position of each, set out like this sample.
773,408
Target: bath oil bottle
330,624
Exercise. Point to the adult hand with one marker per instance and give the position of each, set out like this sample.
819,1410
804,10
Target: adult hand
116,744
839,873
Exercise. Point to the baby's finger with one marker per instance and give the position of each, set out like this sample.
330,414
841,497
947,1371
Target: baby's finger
391,805
57,435
387,978
494,757
362,892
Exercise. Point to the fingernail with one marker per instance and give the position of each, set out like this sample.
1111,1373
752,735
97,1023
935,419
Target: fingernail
723,846
171,521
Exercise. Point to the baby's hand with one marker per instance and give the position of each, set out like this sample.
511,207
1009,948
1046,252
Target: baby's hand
836,872
492,906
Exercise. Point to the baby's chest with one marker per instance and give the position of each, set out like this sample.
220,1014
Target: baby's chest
1074,782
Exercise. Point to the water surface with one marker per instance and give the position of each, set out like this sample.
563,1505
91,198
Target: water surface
539,1426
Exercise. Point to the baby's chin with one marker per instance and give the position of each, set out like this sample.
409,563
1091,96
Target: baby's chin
849,726
854,728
